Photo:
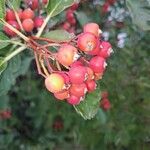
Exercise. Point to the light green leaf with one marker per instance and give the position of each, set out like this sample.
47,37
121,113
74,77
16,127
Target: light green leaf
140,13
59,36
54,7
89,107
2,9
15,4
3,66
3,37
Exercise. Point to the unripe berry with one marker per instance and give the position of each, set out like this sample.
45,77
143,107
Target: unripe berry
87,42
38,21
28,25
66,54
9,31
10,15
78,90
62,95
74,100
106,49
97,64
33,4
54,83
77,74
92,28
27,14
91,85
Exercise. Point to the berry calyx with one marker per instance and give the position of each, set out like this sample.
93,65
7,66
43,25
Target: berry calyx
92,28
38,21
10,15
87,42
78,90
74,100
66,54
97,64
77,74
27,14
9,31
54,83
105,49
28,25
91,85
62,95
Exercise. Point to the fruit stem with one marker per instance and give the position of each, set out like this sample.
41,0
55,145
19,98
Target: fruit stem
14,30
17,51
47,20
58,66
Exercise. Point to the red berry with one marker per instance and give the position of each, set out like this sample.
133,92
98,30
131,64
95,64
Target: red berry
69,15
74,100
76,63
66,26
74,6
96,50
9,31
105,7
78,90
20,14
27,14
67,54
66,77
98,76
87,42
97,64
38,21
104,94
28,25
62,95
10,15
77,74
33,4
45,1
90,73
105,104
106,50
91,85
92,28
54,83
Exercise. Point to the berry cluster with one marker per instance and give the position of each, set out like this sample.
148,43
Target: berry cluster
70,21
5,114
83,61
105,103
24,19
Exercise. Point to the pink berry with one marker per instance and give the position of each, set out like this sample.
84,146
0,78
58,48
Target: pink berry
27,14
91,85
45,1
73,100
28,25
9,31
87,42
105,49
97,64
66,26
38,21
76,63
78,90
96,50
77,74
10,15
33,4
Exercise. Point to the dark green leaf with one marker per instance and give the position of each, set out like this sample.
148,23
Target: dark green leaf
2,9
140,13
59,36
56,6
2,65
89,107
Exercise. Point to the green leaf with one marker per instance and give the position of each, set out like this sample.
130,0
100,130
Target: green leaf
140,13
3,66
3,37
54,7
15,4
59,36
89,107
2,9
